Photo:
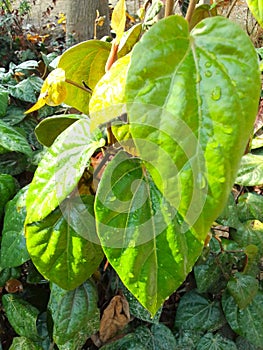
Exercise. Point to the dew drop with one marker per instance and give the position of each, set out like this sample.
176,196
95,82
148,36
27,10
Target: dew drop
241,95
208,64
208,73
216,93
201,181
130,275
112,199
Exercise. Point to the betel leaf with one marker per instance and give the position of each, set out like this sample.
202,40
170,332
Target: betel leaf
84,62
215,342
12,140
243,289
158,337
3,102
13,163
8,188
27,89
9,273
13,245
141,234
107,101
21,315
192,110
23,343
129,39
14,115
118,19
57,248
129,342
201,12
75,315
250,207
251,232
49,128
244,344
198,313
246,322
250,172
256,7
60,170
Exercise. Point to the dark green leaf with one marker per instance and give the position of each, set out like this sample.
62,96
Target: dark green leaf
251,232
229,215
182,118
23,343
13,245
141,234
250,172
7,274
3,102
243,289
84,62
8,188
60,170
129,342
246,322
21,315
13,163
57,248
215,342
198,313
152,12
187,340
158,337
27,89
201,12
49,129
12,140
244,344
250,207
75,315
14,115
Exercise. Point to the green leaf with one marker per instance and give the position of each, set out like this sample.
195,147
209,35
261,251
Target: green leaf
84,62
3,102
246,322
152,12
107,103
14,115
13,163
198,313
250,207
12,140
129,39
187,340
13,245
250,172
27,89
129,342
49,128
229,215
57,248
243,289
8,274
251,232
21,315
60,170
243,344
256,7
141,234
201,12
75,315
182,119
215,342
158,337
8,188
23,343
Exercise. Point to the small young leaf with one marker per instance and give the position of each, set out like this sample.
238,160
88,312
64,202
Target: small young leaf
246,322
75,315
57,248
118,19
243,289
23,343
198,313
250,171
215,342
129,39
21,315
13,245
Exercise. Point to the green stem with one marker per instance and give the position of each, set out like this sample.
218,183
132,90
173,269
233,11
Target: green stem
169,7
190,10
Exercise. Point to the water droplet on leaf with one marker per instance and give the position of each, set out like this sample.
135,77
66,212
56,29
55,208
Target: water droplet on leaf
208,64
216,93
208,73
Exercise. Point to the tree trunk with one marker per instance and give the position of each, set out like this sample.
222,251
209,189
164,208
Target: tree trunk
81,16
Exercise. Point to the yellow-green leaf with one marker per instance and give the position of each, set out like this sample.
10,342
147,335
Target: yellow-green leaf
118,19
256,7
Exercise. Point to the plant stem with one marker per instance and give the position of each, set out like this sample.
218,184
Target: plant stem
169,7
78,86
190,10
231,8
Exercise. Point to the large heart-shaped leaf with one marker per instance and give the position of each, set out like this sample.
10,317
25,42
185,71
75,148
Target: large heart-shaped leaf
75,315
84,63
256,7
141,234
60,170
57,246
192,99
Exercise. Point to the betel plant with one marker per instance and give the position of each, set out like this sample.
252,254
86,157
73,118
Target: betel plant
190,100
142,179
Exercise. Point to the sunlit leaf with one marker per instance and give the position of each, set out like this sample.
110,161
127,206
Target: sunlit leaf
23,343
250,172
129,39
118,19
256,7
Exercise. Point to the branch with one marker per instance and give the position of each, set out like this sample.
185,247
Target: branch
86,89
169,7
190,10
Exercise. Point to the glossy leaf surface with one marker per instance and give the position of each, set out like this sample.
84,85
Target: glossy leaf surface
215,342
141,234
84,62
75,315
250,207
188,102
250,172
3,102
60,170
13,245
27,89
57,248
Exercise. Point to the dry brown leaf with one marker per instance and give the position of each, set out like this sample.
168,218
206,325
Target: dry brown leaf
115,317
